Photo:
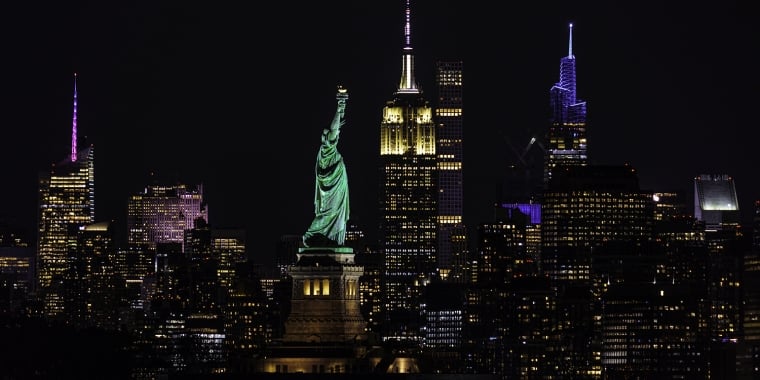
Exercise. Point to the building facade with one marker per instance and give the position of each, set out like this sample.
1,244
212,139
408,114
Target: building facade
449,118
162,213
408,200
66,199
566,143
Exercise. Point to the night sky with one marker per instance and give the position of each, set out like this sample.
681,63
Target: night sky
235,97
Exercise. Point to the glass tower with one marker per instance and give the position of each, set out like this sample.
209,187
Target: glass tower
448,116
66,200
566,138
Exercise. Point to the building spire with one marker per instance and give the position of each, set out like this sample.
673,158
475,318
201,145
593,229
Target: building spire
570,44
74,124
407,83
408,26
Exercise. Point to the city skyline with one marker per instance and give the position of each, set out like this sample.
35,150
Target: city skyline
194,94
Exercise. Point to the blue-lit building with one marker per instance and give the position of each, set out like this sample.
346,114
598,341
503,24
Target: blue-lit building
566,143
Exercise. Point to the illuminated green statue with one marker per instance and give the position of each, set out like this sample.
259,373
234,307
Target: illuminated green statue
331,205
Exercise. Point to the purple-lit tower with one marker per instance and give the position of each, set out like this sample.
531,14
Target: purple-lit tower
566,138
66,202
74,124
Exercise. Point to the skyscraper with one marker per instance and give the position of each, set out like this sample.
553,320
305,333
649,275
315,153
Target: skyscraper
716,205
715,201
91,283
566,138
161,214
66,199
750,358
449,140
16,272
408,199
650,331
588,213
586,208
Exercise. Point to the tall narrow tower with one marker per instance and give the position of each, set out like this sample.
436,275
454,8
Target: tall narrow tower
566,138
408,199
452,242
66,201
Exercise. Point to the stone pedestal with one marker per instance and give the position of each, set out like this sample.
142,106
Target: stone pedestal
325,297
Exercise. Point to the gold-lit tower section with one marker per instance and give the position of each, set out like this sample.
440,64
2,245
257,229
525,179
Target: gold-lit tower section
408,201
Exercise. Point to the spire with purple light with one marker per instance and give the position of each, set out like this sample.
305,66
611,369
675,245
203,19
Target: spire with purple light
567,80
407,83
566,139
74,124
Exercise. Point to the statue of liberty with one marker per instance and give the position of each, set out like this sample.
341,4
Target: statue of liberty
331,205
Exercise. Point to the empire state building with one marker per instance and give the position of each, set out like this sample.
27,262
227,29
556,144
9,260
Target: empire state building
408,199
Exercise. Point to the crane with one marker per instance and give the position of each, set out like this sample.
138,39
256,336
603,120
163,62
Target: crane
523,164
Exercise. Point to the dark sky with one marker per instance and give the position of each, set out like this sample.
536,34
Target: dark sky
235,97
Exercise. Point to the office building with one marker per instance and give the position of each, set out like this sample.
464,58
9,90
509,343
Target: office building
162,213
650,330
92,288
715,201
449,117
408,200
587,212
566,143
66,199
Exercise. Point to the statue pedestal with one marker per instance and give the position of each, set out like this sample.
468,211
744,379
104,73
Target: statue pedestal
325,297
341,255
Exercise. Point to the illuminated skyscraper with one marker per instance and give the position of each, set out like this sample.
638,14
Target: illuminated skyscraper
449,140
566,140
408,199
715,201
444,313
750,356
205,321
161,214
650,331
585,210
16,272
716,206
245,314
229,246
66,198
91,283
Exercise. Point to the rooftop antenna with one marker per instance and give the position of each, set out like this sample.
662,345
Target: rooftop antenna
407,83
74,124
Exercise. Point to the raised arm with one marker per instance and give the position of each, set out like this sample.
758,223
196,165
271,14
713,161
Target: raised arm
339,119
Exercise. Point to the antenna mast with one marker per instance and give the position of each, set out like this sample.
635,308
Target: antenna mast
74,124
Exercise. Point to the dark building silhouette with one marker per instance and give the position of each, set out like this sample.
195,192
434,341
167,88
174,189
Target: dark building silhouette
586,209
449,135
